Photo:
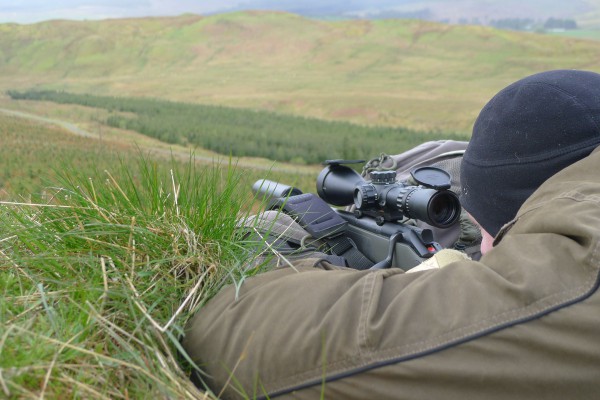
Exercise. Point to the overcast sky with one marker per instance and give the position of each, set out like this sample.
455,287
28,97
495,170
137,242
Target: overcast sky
28,11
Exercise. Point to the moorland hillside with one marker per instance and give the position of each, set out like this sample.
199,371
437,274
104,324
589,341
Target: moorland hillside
411,73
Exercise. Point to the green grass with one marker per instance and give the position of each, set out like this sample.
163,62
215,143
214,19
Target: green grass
98,278
106,250
33,154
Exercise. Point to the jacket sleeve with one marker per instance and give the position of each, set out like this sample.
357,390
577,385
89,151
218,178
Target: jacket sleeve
514,324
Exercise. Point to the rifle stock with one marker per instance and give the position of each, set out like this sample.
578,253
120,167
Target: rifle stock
409,249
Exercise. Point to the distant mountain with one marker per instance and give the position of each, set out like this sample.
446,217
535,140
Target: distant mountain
412,73
320,8
455,11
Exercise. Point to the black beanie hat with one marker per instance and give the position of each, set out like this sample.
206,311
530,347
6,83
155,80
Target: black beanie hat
525,134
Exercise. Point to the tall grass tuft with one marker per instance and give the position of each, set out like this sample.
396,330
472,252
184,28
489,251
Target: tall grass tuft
97,279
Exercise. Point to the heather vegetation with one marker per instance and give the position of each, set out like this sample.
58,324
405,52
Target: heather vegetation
241,132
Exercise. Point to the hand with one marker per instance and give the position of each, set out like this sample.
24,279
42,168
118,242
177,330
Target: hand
440,260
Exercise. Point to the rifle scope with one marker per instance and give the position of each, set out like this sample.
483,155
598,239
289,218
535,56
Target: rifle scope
386,199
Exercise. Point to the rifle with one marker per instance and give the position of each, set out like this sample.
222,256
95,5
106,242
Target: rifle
378,227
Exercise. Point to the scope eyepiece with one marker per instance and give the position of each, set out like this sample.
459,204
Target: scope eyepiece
439,208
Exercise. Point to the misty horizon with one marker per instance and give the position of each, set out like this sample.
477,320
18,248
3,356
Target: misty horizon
465,11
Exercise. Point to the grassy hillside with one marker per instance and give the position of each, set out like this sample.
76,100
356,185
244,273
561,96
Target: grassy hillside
416,74
34,155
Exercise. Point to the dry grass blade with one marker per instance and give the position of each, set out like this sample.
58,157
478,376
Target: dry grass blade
49,373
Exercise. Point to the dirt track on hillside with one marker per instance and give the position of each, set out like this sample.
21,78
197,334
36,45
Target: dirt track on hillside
65,125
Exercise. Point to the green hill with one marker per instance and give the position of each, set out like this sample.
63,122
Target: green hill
420,75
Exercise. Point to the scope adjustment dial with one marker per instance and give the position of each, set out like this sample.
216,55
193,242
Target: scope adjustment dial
365,197
383,177
403,199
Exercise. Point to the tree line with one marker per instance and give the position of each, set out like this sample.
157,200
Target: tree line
244,132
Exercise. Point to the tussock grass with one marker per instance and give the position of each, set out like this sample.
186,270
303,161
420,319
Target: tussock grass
98,279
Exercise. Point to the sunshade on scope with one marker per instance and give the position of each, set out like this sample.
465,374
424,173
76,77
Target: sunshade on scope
386,199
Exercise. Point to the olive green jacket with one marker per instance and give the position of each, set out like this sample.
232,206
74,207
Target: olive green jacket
522,323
